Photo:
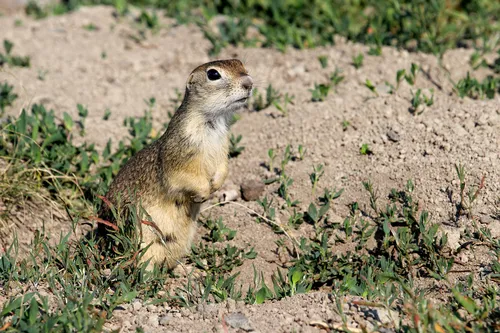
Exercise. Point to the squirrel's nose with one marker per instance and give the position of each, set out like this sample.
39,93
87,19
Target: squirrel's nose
247,82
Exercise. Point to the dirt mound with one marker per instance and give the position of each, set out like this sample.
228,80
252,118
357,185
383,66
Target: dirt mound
110,68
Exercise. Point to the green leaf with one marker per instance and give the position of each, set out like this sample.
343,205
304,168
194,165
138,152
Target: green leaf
84,164
21,123
82,111
400,74
68,121
324,209
7,45
33,312
297,276
16,304
312,212
36,154
465,301
53,138
260,296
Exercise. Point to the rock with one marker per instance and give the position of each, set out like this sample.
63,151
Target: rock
393,136
228,192
164,320
495,228
231,304
453,237
137,305
238,320
251,190
153,319
230,195
485,219
387,316
208,311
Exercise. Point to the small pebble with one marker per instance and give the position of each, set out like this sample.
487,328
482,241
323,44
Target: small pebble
238,320
137,305
251,190
153,319
164,320
393,136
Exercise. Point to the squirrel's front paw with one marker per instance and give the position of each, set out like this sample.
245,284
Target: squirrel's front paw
199,198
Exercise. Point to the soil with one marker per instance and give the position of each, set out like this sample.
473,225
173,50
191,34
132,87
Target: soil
110,69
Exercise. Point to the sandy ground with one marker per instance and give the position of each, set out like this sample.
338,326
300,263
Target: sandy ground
107,69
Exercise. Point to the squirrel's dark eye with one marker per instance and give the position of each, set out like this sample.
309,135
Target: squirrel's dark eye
213,75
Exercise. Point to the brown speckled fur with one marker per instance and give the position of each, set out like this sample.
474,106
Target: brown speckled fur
176,173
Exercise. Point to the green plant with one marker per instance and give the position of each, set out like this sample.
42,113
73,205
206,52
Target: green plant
273,97
272,156
315,176
107,114
269,211
218,231
472,88
90,27
467,199
375,50
86,281
7,96
295,219
283,106
323,60
345,125
42,146
411,78
234,148
231,31
329,196
315,215
302,151
260,102
219,261
211,288
319,92
400,74
357,61
431,27
42,74
287,157
11,60
283,190
34,9
365,149
372,88
149,20
420,99
336,78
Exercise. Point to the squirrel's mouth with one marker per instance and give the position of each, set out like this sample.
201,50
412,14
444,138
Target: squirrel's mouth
242,100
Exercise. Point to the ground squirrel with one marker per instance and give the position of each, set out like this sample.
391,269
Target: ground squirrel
176,173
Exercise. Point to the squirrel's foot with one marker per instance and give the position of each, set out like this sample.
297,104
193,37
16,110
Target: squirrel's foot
199,198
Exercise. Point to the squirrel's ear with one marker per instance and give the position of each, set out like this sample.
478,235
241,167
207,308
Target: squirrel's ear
189,82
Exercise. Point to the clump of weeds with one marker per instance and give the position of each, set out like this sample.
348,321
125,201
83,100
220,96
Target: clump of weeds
320,91
12,60
472,88
272,97
7,96
234,145
420,100
357,61
468,198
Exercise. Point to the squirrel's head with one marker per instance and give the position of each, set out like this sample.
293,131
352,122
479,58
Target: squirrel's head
219,86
